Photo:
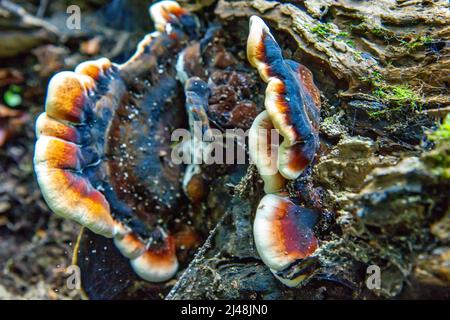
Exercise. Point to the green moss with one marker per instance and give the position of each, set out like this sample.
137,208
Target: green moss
408,40
350,43
374,79
343,34
378,31
416,42
328,121
443,132
383,113
439,159
358,55
324,30
398,97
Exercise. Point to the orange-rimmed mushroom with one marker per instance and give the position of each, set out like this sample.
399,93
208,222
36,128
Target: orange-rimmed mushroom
102,157
59,162
153,260
284,238
158,262
169,14
291,100
47,126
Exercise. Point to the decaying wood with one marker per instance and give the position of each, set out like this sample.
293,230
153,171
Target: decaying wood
364,38
379,198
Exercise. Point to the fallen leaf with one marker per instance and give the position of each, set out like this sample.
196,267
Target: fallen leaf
10,122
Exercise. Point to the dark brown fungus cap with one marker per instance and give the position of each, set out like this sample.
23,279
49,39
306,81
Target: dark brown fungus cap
102,157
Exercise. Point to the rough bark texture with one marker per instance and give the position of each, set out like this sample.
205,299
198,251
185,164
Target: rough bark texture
363,42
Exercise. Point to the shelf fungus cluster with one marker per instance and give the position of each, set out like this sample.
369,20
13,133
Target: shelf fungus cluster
283,231
103,156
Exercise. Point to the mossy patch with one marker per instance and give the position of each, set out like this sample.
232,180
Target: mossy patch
398,97
439,159
415,43
323,30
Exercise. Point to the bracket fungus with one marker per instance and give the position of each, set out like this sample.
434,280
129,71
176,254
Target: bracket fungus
283,232
292,101
102,157
284,238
